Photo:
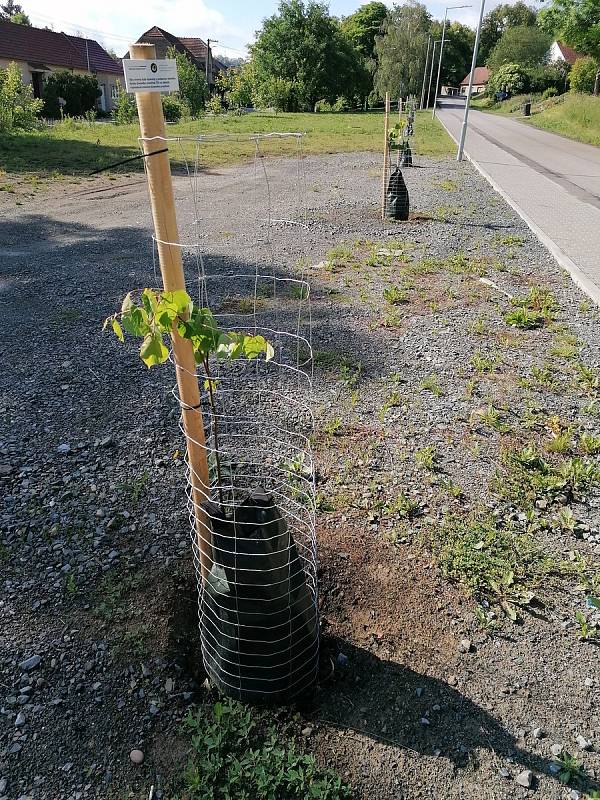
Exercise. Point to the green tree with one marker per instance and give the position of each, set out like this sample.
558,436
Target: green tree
9,8
576,23
21,18
124,111
364,25
499,20
509,78
18,107
583,75
401,49
237,85
193,89
458,51
80,92
520,45
303,45
276,93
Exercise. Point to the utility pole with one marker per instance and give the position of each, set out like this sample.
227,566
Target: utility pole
208,74
431,73
425,73
463,131
437,83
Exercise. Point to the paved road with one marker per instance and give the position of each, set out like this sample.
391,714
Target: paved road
553,183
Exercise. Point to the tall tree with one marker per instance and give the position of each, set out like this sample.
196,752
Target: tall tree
458,51
304,46
500,19
9,8
576,23
521,45
20,18
192,81
401,49
364,25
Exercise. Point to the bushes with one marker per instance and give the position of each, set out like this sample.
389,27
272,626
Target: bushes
510,78
124,111
18,107
173,108
551,91
583,75
340,105
80,92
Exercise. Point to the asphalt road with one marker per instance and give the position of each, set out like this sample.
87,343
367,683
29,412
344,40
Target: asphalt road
553,183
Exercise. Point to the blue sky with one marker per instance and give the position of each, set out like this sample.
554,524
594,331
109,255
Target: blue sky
233,22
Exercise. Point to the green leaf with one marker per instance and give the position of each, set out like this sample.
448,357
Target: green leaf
593,602
153,350
118,330
127,303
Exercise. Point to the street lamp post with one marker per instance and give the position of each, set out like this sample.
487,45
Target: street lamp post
425,72
431,73
209,75
437,83
463,130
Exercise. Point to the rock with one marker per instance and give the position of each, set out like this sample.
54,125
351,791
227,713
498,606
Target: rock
169,685
424,721
307,731
342,659
63,448
136,756
154,709
452,680
419,691
538,733
464,646
525,778
20,720
503,772
583,743
3,785
556,749
30,663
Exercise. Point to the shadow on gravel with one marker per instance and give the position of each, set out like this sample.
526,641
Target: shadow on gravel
394,705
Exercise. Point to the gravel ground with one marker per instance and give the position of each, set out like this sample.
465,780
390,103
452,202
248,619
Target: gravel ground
99,652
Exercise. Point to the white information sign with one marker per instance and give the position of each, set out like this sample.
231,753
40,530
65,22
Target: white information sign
145,75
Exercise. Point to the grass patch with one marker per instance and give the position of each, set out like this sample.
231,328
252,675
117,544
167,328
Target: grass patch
236,755
73,148
534,310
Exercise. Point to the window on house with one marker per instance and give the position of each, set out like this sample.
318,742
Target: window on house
114,92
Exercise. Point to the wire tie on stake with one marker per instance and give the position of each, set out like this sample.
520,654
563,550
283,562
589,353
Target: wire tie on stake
129,160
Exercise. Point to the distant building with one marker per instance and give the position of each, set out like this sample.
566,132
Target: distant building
449,91
38,52
195,49
480,80
561,52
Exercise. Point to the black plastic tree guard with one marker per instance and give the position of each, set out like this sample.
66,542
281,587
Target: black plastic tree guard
406,160
259,625
397,204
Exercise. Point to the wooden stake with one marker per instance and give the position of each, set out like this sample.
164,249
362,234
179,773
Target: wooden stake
160,187
386,128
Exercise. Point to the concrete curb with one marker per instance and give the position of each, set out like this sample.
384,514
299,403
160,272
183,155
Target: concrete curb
579,278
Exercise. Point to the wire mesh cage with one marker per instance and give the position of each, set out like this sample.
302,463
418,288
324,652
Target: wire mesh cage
253,534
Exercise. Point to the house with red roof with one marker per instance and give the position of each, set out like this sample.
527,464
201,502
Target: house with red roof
562,52
481,77
38,52
197,50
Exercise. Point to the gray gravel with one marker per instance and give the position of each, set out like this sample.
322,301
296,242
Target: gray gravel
99,650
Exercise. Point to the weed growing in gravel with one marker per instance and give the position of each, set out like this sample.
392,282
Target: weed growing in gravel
401,506
135,487
509,240
589,443
493,418
570,768
545,377
394,295
392,319
461,264
393,400
526,477
534,310
587,632
338,257
494,563
453,489
561,442
448,185
333,427
237,755
427,458
470,387
483,363
587,378
565,346
566,519
431,384
477,327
